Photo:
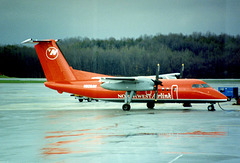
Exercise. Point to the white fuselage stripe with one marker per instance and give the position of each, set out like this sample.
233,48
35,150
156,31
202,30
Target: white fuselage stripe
166,100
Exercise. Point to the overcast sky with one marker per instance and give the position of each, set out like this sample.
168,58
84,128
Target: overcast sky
59,19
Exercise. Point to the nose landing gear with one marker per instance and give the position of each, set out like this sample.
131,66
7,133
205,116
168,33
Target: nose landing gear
211,107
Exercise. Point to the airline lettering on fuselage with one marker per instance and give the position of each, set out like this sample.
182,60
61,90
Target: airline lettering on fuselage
148,96
89,86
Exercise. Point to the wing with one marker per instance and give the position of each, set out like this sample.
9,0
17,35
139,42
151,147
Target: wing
119,79
169,76
127,83
163,76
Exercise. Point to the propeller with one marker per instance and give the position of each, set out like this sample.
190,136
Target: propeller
157,82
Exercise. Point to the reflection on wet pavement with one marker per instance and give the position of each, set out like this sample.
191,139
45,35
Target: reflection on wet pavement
87,137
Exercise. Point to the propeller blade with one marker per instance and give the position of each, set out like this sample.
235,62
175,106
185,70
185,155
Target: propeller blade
157,72
182,70
156,82
156,92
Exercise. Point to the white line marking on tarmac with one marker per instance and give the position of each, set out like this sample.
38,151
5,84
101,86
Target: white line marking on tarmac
175,159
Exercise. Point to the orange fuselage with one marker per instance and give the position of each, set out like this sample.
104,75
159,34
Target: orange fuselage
173,90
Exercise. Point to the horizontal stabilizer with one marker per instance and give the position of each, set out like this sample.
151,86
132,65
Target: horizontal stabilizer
30,41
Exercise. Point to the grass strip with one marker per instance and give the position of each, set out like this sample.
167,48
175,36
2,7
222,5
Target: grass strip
21,81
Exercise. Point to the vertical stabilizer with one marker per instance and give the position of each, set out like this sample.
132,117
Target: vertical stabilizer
55,67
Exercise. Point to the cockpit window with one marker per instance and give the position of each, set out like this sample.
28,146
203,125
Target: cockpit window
205,86
196,86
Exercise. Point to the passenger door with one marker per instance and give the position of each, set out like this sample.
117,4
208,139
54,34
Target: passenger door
174,91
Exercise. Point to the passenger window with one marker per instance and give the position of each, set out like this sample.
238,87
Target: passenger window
167,89
162,89
205,86
196,86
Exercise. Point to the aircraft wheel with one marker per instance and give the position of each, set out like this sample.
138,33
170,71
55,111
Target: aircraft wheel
150,105
187,105
126,107
211,108
80,100
89,100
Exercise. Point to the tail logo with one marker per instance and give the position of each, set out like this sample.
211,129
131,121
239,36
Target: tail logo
52,53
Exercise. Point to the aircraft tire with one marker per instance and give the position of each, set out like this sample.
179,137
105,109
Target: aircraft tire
80,100
89,100
211,108
126,107
150,105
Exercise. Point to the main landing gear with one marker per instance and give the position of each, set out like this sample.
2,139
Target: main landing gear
126,106
211,107
150,105
128,98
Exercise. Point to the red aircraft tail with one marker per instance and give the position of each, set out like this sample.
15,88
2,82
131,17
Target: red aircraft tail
55,67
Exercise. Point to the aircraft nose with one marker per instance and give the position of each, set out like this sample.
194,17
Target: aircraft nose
219,95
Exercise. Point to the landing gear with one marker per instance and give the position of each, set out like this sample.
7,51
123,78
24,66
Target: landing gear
187,105
211,107
150,105
89,100
126,107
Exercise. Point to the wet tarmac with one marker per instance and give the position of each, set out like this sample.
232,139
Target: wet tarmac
39,125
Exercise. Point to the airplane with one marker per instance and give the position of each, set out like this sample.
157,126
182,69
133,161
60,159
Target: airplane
63,78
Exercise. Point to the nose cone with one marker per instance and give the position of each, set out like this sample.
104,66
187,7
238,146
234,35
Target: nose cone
217,95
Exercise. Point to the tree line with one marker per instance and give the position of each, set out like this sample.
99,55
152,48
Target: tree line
204,55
